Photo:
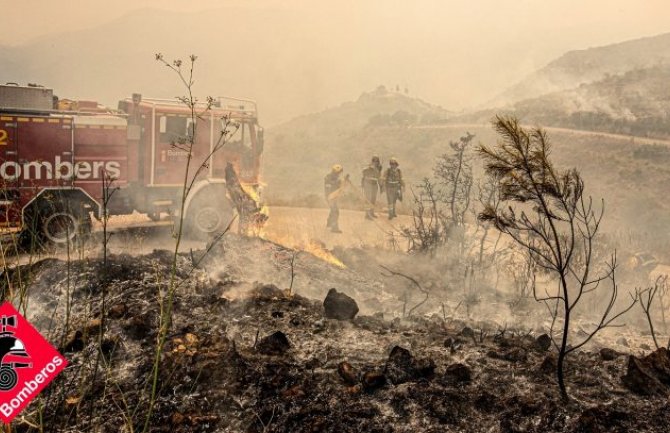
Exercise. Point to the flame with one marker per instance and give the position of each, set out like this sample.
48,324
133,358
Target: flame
315,248
257,228
251,192
258,220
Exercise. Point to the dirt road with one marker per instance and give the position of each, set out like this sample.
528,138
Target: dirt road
288,226
292,227
305,224
630,138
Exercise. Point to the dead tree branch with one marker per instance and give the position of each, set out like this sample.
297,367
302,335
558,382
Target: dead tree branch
413,281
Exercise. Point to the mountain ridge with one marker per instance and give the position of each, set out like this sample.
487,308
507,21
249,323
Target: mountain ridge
577,67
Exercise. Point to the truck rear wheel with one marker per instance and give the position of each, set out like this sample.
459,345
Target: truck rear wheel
58,225
65,225
60,228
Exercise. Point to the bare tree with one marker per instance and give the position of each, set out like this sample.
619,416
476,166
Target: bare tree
522,270
192,170
648,297
454,175
429,223
440,205
555,224
488,196
663,290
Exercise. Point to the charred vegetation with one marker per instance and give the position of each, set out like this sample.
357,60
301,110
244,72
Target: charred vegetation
262,359
499,299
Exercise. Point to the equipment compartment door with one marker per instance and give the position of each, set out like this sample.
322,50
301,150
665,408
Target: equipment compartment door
10,173
45,152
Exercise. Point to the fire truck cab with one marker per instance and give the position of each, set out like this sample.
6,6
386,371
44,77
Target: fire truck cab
55,155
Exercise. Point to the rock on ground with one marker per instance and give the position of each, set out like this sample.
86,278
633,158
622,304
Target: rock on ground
338,305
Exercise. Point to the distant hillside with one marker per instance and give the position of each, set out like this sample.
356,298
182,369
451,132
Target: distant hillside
620,89
299,152
377,108
634,103
631,177
585,66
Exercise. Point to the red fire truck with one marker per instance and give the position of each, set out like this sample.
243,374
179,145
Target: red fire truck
54,154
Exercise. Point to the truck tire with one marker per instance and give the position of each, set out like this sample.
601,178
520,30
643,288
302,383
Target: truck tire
207,218
57,225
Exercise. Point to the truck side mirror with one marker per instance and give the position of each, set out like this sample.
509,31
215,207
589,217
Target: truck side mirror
134,132
162,122
260,140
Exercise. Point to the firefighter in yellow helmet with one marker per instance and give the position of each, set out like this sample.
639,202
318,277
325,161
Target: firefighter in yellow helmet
333,186
394,185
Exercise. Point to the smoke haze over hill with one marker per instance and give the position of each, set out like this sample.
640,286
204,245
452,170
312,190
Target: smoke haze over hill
585,66
298,57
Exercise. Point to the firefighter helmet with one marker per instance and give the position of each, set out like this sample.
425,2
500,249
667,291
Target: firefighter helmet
337,168
393,161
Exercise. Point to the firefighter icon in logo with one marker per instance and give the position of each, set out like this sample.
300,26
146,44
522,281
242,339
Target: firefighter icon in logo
28,363
11,350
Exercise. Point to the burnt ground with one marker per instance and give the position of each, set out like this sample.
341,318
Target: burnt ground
247,356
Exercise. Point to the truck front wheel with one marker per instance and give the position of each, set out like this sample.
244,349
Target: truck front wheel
206,218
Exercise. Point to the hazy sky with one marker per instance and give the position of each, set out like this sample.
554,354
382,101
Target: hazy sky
455,53
599,21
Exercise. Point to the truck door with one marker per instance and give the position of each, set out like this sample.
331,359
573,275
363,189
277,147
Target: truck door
10,210
172,143
170,152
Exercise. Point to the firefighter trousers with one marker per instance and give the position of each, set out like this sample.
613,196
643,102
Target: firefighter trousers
370,191
333,215
393,194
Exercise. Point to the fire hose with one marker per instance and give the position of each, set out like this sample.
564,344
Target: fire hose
365,201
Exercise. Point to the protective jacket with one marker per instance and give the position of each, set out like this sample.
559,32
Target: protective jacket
371,176
392,178
332,182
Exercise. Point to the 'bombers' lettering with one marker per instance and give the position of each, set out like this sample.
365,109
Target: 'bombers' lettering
30,386
59,169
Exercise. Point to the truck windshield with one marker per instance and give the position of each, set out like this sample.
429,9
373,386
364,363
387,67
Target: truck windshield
241,139
175,128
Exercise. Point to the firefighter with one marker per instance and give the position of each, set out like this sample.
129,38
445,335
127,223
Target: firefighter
394,186
370,184
334,185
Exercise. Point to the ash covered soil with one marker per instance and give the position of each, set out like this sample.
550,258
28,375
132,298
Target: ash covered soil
246,355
